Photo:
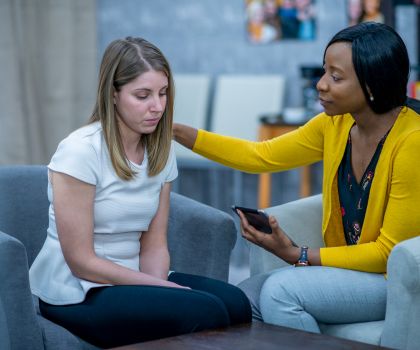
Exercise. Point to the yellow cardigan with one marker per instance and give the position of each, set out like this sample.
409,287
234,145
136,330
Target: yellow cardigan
393,211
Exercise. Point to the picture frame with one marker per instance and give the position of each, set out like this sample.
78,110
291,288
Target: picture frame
381,11
277,20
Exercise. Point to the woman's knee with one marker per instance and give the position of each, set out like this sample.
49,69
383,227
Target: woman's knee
205,310
252,289
277,292
234,299
238,305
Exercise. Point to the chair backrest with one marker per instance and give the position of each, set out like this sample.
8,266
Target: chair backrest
24,205
192,94
414,104
240,100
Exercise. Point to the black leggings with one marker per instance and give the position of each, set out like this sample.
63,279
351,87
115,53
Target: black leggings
120,315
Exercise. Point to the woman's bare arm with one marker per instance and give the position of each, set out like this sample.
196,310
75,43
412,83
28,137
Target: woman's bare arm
73,207
154,254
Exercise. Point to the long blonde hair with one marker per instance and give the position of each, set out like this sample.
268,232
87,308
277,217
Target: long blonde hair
123,61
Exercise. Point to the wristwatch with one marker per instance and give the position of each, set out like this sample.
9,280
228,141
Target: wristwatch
303,259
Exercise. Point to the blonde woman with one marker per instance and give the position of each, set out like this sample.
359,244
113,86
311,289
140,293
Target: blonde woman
103,272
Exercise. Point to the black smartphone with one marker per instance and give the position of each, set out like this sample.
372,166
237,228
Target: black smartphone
256,217
259,219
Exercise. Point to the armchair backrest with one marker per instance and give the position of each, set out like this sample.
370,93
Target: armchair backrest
24,205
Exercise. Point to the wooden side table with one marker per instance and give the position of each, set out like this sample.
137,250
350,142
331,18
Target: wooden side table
269,131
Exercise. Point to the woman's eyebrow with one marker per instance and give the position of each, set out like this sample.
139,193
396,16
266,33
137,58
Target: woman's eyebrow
148,89
142,89
334,67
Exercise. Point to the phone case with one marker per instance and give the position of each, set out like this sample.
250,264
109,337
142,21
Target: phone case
256,217
259,219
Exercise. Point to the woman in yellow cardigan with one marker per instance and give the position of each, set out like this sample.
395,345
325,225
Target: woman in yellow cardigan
369,142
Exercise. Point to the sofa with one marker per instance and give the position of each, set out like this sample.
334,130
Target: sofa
301,220
200,238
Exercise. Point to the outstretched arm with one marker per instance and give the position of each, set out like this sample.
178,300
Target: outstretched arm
185,135
299,147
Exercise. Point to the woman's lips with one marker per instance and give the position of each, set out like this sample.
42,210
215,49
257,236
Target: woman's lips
323,102
153,121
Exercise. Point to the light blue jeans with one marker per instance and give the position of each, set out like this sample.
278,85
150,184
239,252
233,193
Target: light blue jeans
304,296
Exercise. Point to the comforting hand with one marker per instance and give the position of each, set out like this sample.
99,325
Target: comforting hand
277,243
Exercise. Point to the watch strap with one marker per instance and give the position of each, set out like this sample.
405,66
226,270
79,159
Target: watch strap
303,258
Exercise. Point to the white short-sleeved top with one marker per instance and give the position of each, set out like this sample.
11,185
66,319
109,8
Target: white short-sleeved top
122,211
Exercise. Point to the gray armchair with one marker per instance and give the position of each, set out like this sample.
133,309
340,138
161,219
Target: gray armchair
301,219
201,239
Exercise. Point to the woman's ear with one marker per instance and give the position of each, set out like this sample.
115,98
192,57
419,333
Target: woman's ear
114,96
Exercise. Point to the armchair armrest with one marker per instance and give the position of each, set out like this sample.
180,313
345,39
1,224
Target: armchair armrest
403,299
301,220
18,314
200,237
4,330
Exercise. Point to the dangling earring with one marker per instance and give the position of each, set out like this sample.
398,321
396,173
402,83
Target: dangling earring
371,98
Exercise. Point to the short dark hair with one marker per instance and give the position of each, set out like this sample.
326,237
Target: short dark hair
381,62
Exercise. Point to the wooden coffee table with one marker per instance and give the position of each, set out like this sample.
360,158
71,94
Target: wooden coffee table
255,336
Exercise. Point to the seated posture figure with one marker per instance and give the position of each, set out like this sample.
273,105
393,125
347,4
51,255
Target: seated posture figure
369,141
103,272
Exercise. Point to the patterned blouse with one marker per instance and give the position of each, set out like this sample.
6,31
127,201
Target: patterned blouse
354,196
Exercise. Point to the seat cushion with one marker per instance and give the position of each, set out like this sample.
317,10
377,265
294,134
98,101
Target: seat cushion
365,332
57,337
